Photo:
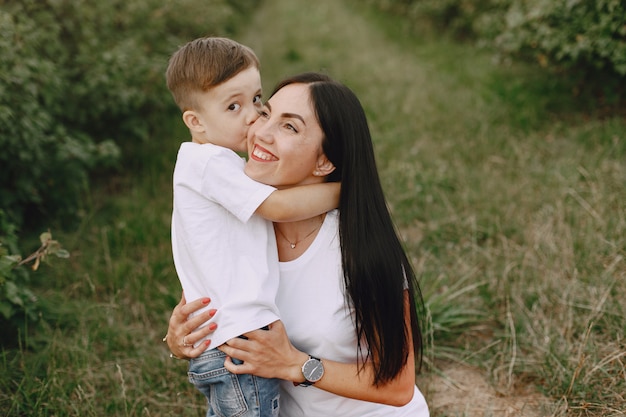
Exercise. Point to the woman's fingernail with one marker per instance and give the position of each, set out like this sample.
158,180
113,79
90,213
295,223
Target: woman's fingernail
207,343
206,300
212,326
212,312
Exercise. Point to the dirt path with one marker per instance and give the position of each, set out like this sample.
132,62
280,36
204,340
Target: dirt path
462,390
291,36
325,35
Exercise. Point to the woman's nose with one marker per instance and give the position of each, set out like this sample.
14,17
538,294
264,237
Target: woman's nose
263,132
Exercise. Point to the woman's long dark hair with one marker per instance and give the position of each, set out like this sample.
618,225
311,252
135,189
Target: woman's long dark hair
375,267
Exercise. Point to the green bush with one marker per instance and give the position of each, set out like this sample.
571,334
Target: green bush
18,304
46,161
583,40
81,86
16,300
588,37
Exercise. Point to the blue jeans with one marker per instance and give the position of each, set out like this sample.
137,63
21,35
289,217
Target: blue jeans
231,395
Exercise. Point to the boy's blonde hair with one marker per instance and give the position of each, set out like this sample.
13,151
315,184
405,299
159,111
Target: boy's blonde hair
205,63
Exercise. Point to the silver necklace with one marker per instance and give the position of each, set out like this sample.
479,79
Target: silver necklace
293,244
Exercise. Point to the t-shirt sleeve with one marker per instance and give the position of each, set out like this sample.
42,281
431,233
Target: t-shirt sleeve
225,182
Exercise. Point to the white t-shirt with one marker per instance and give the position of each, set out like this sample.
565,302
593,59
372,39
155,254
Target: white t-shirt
220,249
318,321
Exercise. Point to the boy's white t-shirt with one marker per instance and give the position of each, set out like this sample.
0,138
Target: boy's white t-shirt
318,319
221,250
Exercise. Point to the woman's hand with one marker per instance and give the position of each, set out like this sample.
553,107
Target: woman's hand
265,353
183,333
270,354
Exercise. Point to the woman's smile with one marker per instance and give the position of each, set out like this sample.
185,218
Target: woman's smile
261,154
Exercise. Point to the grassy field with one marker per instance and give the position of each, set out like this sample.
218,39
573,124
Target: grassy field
509,194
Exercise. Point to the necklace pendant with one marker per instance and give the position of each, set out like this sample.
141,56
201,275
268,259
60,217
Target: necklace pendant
293,245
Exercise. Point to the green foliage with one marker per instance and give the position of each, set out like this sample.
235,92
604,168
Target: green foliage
587,39
18,304
464,19
16,300
45,161
81,86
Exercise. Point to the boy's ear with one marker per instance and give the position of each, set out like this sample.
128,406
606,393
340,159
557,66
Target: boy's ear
323,167
192,121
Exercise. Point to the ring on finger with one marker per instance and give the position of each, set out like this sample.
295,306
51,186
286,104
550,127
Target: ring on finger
185,344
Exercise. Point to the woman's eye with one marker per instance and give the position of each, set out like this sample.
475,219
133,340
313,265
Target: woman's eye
291,127
257,100
234,107
264,112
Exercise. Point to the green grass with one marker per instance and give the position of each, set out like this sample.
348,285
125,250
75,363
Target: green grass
509,194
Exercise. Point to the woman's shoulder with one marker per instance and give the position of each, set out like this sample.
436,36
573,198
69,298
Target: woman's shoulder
331,221
333,216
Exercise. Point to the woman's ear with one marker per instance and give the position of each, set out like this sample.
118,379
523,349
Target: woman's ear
192,121
323,167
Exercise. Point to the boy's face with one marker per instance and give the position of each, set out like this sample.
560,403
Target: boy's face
226,111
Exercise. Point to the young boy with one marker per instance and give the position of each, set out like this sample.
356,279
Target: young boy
220,248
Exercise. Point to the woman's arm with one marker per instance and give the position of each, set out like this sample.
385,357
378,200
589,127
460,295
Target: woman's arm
182,330
270,354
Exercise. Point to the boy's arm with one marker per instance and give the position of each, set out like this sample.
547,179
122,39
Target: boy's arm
300,203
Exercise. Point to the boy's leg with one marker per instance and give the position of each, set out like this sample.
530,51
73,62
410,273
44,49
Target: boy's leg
269,394
262,395
220,387
232,395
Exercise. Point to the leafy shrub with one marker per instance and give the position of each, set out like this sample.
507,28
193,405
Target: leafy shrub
13,295
17,302
585,38
81,85
588,37
45,162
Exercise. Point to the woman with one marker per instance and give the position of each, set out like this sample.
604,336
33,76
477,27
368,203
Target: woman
347,295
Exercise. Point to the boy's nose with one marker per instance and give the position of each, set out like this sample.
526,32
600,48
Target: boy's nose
252,115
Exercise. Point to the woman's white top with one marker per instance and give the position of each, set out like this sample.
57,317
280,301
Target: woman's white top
220,248
319,322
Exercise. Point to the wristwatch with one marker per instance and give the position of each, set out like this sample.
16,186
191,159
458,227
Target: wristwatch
313,371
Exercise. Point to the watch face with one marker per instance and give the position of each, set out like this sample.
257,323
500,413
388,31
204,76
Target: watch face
313,370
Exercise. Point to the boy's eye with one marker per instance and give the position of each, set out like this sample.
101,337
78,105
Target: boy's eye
234,107
257,100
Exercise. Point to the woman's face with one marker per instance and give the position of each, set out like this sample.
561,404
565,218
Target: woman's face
285,142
